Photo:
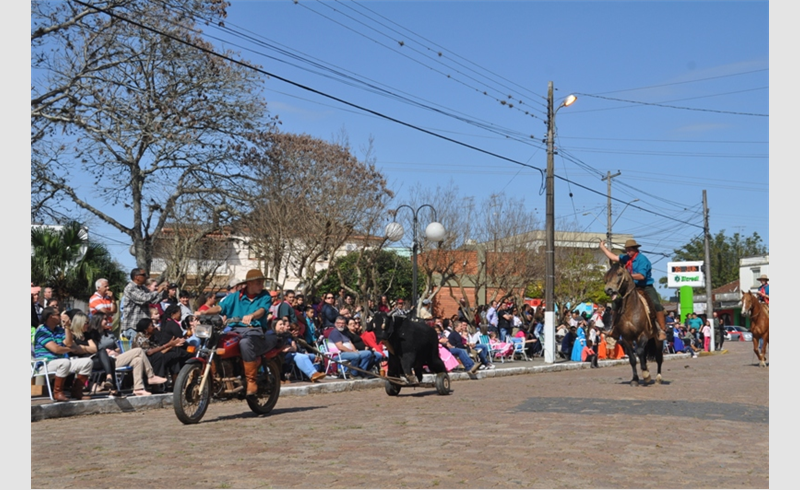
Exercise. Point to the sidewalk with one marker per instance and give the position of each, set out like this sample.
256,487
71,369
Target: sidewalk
43,408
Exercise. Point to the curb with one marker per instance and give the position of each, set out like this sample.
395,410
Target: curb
152,402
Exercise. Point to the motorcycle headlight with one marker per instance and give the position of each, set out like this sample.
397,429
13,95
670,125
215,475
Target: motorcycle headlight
202,331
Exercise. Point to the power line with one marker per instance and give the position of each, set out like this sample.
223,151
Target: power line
672,106
351,104
684,82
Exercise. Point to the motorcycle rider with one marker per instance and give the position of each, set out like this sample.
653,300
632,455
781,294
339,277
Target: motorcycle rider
251,304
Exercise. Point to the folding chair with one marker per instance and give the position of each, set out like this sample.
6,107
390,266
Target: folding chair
331,353
36,370
121,372
519,348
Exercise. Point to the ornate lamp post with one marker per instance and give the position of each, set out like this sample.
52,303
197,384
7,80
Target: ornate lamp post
434,232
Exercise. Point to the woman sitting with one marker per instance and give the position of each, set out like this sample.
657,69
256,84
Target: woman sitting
166,356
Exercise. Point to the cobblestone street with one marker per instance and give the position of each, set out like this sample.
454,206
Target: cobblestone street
705,427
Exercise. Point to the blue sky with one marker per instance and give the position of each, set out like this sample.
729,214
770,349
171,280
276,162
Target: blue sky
708,60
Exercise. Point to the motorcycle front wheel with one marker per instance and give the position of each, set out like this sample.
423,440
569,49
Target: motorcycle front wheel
269,387
189,402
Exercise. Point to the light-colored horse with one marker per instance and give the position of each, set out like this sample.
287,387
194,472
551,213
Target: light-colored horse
759,324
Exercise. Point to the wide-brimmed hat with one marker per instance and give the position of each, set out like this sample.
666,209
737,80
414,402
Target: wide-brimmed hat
763,277
631,243
253,275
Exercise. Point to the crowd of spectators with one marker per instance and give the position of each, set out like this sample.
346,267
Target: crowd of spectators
156,322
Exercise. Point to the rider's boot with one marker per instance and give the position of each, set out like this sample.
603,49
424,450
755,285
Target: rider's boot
662,325
251,374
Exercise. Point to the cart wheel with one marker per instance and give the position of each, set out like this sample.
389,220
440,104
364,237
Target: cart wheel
391,388
443,383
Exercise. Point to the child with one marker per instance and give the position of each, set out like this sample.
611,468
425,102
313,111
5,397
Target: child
589,355
707,336
500,349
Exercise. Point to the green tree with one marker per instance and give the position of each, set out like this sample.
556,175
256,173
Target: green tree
390,275
65,259
725,253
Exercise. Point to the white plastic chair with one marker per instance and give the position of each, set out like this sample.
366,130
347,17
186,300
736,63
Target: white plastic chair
37,365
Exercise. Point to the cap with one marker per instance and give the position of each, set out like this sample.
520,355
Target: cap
426,301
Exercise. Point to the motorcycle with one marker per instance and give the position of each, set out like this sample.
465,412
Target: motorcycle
216,371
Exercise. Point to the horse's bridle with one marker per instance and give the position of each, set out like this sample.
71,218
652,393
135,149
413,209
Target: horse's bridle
621,281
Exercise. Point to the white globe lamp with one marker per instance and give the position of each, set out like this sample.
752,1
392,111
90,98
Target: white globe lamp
394,231
435,232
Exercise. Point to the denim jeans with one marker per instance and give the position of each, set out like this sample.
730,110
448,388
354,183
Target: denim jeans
303,361
504,332
482,350
361,359
462,356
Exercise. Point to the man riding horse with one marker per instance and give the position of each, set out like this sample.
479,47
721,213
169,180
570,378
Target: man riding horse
640,269
763,290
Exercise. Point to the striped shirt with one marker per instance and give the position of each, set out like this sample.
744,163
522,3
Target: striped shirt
44,336
100,305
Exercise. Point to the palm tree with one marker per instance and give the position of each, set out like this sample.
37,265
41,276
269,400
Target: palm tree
65,260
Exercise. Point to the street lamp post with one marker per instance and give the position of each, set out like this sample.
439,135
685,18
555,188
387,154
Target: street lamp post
434,232
550,233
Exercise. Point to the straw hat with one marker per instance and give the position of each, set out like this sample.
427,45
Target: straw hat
631,243
763,277
253,275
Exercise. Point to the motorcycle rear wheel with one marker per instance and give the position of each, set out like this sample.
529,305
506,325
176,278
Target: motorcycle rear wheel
269,387
189,403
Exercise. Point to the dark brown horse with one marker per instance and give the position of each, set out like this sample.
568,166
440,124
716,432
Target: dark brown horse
634,323
759,324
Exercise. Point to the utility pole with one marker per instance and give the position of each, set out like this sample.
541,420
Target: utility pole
707,246
550,240
608,177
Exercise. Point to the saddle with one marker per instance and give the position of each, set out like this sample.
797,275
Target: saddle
646,304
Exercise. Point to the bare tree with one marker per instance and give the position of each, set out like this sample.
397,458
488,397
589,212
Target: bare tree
129,95
312,198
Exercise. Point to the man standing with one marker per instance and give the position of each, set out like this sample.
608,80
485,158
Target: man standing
137,299
102,301
251,304
49,344
719,331
641,270
491,318
505,322
47,297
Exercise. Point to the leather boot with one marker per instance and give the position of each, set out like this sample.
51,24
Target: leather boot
58,390
251,375
662,325
77,387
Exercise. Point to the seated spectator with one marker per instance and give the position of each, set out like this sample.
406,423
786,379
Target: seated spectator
455,344
171,322
183,301
295,353
474,344
166,356
532,345
136,358
589,355
502,349
188,325
89,333
312,326
206,301
371,341
348,352
49,345
566,343
353,332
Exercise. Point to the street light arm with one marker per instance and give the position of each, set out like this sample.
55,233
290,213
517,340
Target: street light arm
623,210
